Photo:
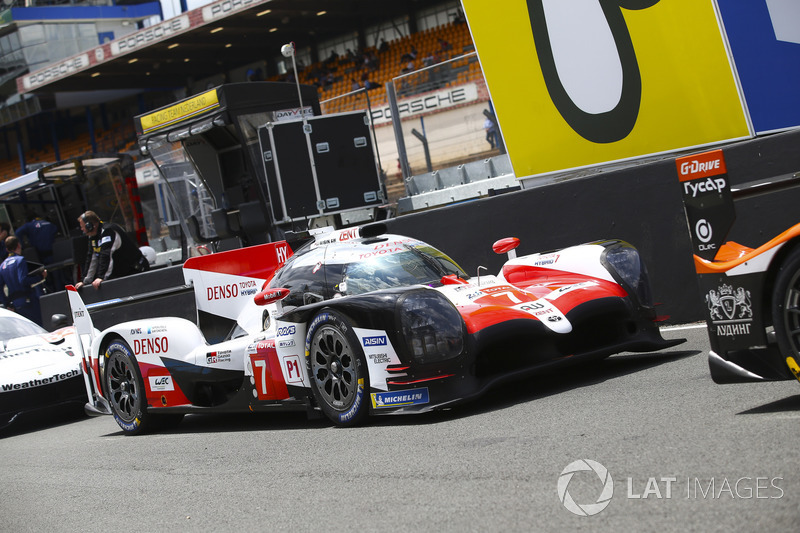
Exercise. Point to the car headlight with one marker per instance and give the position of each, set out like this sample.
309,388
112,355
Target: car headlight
431,326
624,263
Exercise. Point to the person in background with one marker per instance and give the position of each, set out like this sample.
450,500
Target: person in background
23,286
40,233
112,253
491,133
5,231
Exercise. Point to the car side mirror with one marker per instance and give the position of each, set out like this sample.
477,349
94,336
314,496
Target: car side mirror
270,296
506,245
58,321
453,279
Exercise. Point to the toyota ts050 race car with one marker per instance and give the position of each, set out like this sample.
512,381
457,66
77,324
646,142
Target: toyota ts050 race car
357,322
38,370
752,295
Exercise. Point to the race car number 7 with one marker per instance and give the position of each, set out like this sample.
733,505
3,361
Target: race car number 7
511,296
262,364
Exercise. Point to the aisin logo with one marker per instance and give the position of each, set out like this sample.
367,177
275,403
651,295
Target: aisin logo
585,509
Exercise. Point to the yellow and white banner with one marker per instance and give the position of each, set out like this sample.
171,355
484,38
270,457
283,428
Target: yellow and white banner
583,82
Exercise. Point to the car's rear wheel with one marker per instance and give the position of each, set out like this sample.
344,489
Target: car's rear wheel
786,310
125,389
338,369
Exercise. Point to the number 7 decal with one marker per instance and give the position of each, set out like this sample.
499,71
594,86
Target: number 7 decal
262,375
267,376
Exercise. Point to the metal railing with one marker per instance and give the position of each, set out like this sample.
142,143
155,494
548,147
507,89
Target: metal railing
444,112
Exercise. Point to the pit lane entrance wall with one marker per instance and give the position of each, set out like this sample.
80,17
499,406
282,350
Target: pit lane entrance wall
640,204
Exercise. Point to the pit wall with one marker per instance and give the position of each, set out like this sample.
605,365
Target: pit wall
641,205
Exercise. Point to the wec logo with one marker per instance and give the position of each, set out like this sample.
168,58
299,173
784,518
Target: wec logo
161,383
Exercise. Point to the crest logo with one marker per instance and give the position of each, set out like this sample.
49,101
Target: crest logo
727,304
730,310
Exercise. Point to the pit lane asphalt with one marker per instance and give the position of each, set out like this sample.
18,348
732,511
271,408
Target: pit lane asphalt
728,455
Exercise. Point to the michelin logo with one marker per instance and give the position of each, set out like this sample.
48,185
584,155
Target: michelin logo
379,340
385,400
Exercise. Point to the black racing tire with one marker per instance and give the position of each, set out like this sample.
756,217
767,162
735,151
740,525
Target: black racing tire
786,306
338,369
125,389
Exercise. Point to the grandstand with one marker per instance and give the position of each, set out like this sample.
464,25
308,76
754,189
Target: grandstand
383,34
390,64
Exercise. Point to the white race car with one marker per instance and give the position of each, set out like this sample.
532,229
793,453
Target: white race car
358,322
38,370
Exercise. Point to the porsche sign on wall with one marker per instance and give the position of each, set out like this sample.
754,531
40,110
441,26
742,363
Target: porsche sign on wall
588,81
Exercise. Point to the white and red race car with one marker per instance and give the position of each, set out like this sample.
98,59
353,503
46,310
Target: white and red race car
358,322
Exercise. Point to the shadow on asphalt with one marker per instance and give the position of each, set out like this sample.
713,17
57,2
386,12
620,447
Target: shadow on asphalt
504,396
546,384
45,419
791,403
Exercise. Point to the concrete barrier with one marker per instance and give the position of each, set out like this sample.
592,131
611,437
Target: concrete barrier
639,204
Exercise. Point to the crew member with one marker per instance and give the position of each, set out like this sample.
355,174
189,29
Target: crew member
23,287
5,231
112,253
41,234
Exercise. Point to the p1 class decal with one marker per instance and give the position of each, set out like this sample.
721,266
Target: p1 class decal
399,398
293,369
598,114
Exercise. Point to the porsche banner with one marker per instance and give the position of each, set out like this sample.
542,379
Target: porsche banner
587,81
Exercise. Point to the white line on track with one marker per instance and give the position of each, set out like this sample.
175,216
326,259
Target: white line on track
684,326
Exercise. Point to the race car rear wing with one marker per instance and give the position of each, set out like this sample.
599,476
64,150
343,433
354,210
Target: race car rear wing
225,282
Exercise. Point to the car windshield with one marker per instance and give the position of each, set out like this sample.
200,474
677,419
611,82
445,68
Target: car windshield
413,265
12,327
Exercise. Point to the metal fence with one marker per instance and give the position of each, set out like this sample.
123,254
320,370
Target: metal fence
446,120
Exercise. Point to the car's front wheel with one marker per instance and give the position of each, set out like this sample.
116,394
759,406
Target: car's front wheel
125,389
338,369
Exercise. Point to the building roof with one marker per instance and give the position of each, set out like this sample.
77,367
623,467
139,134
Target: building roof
210,40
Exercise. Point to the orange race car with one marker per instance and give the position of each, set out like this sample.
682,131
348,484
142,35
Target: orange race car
752,295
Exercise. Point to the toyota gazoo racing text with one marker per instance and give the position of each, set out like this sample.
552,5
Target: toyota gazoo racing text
751,295
357,322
